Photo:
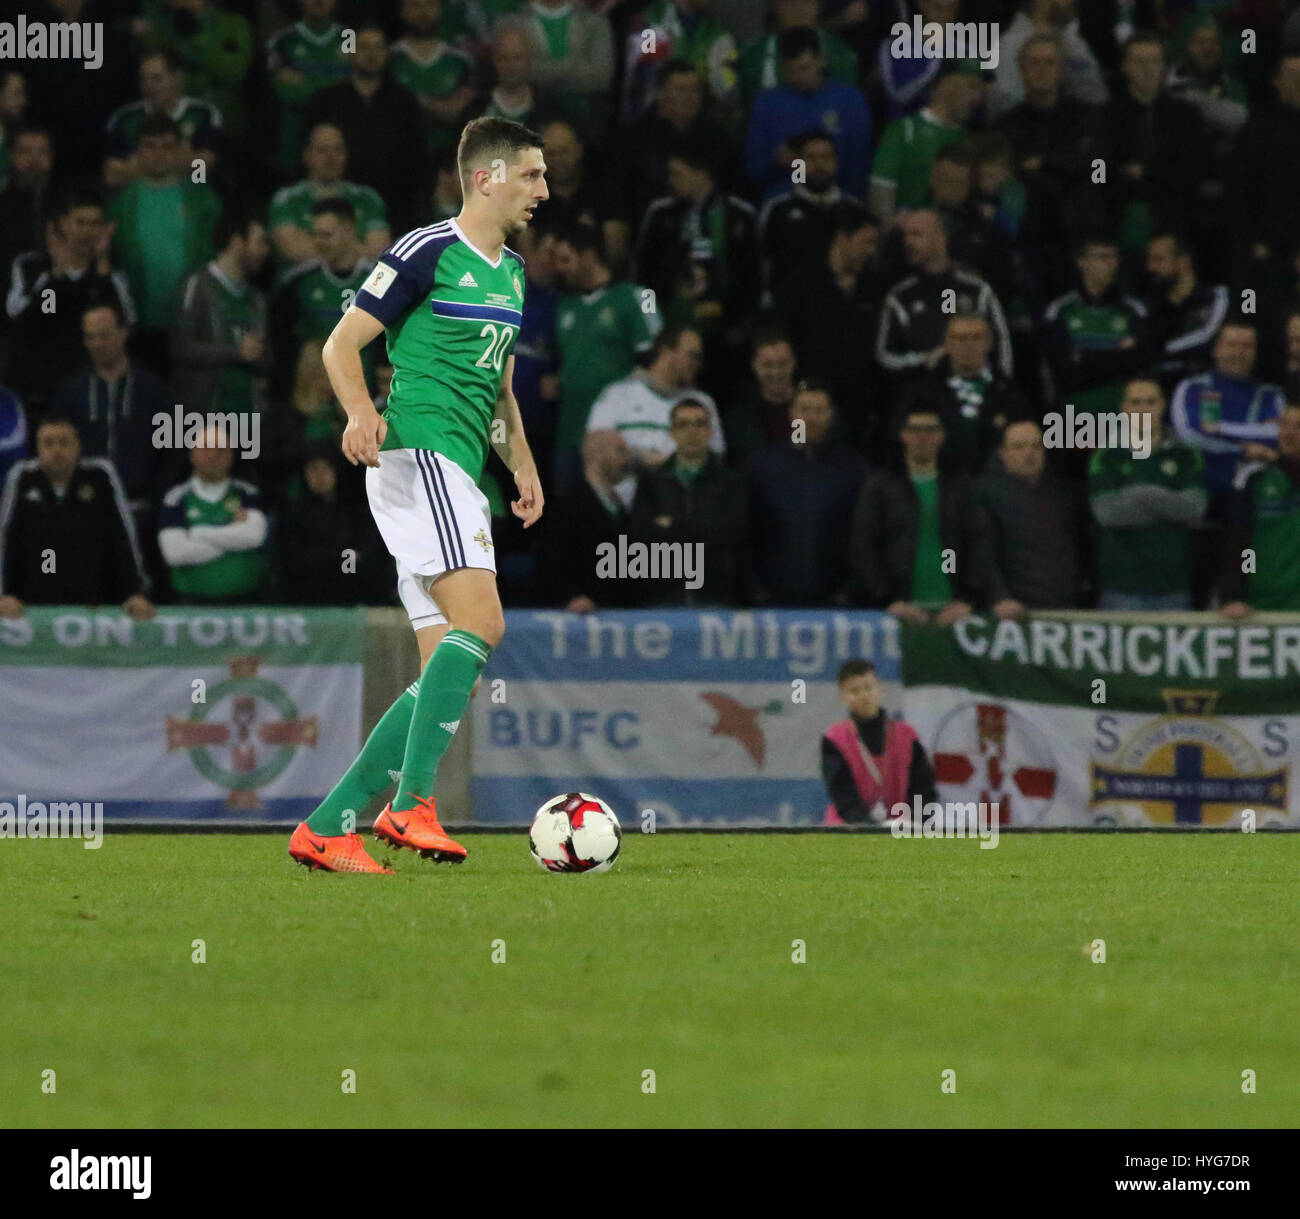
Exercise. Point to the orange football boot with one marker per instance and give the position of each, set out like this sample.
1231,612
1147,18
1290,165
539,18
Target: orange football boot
333,853
418,829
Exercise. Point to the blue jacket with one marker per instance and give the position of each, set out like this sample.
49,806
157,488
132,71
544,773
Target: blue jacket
1248,411
781,113
13,432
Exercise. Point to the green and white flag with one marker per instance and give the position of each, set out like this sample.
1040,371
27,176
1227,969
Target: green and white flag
201,715
1099,720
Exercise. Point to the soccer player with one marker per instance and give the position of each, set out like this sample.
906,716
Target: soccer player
450,297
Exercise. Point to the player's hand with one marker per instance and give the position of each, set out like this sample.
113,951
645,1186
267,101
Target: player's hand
1236,609
528,507
1255,451
580,604
363,436
10,607
1008,607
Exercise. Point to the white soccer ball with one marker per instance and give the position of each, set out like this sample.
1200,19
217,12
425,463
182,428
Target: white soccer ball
575,833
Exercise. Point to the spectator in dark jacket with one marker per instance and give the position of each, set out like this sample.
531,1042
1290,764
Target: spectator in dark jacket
827,308
330,552
973,401
1159,146
56,503
919,546
581,520
113,402
698,251
802,492
694,500
1036,523
381,122
1263,523
49,290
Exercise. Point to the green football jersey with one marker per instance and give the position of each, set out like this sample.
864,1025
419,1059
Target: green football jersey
236,573
452,317
1152,558
1275,538
293,204
198,120
599,337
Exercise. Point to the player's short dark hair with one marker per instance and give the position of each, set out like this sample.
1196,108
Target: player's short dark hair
853,668
582,237
232,223
486,139
335,207
152,126
792,43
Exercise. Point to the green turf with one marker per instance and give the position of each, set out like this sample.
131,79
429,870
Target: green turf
921,957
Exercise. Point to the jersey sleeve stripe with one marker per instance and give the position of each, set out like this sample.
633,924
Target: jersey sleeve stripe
408,245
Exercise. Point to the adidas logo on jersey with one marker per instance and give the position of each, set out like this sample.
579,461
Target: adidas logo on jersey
468,281
450,727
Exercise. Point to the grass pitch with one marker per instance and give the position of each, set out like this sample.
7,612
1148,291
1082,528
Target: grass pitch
922,956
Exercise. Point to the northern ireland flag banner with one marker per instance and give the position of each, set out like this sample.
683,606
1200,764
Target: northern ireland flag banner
700,717
1108,720
200,715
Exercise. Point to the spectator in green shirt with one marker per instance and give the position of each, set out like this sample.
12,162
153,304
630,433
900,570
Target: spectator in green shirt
303,58
162,91
216,48
212,531
919,546
900,173
325,157
1146,508
440,76
164,225
759,65
601,326
1260,558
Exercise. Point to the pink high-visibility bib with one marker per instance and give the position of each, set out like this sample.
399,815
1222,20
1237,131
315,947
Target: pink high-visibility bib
882,778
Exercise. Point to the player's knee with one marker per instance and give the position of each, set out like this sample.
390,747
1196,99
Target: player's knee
489,627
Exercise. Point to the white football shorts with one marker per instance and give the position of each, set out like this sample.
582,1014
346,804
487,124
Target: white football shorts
433,519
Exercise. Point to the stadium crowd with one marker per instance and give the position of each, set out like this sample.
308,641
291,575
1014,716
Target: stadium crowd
808,302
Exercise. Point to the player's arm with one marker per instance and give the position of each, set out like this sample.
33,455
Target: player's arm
512,447
342,359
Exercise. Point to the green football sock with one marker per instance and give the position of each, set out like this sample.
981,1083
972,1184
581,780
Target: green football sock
372,771
444,690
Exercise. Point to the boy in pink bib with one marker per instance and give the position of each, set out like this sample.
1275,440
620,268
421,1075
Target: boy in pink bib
870,762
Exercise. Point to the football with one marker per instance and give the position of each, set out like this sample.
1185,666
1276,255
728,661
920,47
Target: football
575,833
